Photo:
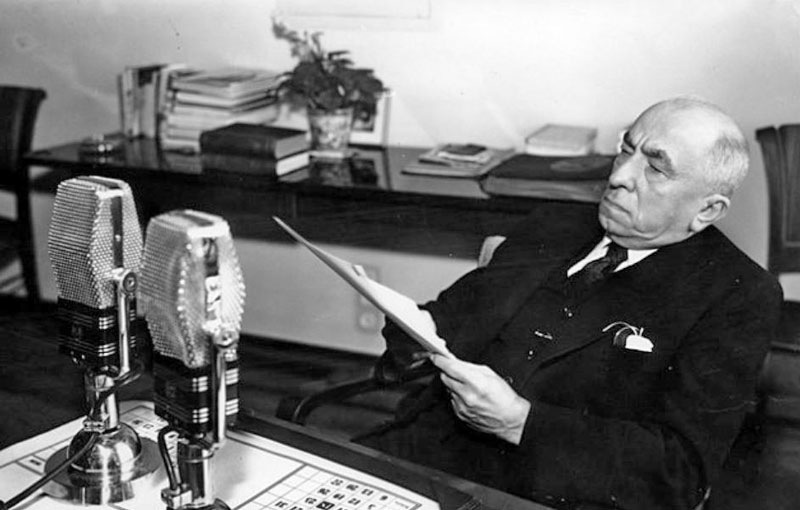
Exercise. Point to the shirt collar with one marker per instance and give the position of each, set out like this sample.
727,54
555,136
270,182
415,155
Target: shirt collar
634,256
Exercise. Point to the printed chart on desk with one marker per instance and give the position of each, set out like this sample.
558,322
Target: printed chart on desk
250,473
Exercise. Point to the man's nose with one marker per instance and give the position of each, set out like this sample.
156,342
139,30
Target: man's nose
623,173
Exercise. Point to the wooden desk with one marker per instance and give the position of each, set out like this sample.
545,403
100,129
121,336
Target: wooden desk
370,204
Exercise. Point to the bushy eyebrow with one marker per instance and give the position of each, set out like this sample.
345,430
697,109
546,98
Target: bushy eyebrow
649,151
657,154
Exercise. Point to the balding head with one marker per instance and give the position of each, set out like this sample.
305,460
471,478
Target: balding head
716,133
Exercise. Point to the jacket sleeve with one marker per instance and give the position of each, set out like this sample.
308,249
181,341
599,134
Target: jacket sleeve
401,347
670,457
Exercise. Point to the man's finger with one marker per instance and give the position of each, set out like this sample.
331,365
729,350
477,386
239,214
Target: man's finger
454,368
454,385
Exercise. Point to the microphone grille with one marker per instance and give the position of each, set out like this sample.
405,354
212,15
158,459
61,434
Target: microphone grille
88,213
173,283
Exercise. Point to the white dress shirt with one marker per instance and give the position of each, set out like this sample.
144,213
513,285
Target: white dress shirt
634,256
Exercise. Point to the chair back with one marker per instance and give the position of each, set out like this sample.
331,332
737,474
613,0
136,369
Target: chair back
780,148
19,107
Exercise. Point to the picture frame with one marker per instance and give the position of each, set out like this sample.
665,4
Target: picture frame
372,127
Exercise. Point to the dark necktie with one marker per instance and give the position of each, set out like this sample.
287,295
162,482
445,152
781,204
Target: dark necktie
596,270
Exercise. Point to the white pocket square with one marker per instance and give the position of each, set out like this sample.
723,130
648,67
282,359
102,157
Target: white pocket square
638,343
630,337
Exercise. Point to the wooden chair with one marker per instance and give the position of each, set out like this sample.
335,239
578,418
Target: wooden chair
19,107
780,378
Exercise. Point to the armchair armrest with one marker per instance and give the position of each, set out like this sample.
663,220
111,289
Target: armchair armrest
385,375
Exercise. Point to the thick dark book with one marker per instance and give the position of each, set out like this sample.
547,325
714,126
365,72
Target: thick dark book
269,167
255,140
580,178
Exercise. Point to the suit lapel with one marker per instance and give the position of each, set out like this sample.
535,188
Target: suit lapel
508,284
493,310
634,295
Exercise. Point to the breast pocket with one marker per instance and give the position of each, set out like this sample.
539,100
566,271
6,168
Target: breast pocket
632,377
631,361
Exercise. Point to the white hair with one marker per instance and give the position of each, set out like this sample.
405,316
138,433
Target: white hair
729,157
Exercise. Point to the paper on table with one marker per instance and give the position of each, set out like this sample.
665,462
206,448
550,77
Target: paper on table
249,472
401,309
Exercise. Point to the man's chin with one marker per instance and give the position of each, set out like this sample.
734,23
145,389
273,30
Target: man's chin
613,227
607,220
611,212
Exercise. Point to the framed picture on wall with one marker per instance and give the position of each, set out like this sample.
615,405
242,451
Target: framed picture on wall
371,125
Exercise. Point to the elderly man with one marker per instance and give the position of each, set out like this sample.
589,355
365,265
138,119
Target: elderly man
609,365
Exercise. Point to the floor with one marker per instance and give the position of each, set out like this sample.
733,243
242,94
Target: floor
41,388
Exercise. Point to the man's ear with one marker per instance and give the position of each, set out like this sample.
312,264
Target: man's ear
714,208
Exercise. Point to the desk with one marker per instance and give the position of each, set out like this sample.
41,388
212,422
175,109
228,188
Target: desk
261,461
41,389
374,205
449,490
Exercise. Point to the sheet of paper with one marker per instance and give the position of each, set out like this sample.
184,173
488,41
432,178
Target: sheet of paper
400,308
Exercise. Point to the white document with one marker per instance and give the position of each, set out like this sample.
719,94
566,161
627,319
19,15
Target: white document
401,309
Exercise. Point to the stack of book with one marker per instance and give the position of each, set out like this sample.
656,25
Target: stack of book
142,96
466,160
254,149
581,178
208,99
561,140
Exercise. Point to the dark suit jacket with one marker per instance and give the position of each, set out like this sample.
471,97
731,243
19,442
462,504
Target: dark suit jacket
608,426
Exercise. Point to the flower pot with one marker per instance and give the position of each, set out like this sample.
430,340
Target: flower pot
330,131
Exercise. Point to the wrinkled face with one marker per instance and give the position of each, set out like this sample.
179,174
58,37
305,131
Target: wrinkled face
656,188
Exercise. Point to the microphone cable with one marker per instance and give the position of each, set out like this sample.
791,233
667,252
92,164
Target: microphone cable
126,379
166,458
22,496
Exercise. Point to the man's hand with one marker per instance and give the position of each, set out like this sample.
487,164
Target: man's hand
482,399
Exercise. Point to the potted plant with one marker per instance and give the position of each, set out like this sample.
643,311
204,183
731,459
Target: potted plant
328,86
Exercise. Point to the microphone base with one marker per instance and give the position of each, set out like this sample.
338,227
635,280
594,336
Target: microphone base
117,468
216,505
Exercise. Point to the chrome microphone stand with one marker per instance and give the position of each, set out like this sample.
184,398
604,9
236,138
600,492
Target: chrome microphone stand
193,487
119,461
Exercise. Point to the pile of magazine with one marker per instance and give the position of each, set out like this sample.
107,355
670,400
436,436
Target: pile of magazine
206,100
175,103
465,160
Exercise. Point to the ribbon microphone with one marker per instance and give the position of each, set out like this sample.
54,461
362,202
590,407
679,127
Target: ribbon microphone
95,245
192,295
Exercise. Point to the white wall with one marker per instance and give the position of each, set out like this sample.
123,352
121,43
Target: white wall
474,70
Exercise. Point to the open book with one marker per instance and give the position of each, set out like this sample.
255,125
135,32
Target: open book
401,309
